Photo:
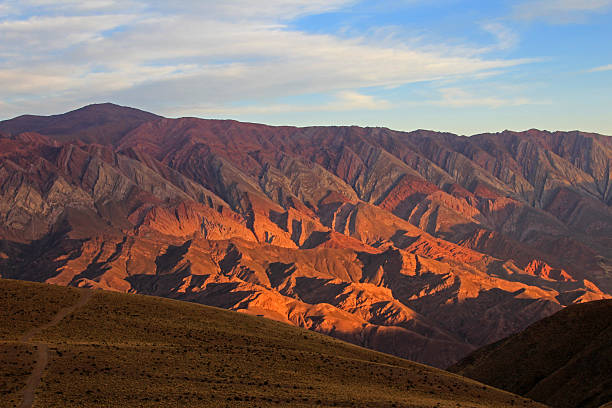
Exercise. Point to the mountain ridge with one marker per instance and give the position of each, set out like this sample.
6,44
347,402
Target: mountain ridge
118,108
421,244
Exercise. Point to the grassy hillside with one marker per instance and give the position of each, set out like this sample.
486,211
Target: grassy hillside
564,360
138,351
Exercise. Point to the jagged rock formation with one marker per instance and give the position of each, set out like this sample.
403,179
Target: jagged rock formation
420,244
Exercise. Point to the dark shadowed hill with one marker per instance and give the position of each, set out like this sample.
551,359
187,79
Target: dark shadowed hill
420,244
101,123
564,360
96,348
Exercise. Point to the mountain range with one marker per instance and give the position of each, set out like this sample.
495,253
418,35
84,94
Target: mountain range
421,244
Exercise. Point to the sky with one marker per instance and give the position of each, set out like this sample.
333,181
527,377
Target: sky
450,65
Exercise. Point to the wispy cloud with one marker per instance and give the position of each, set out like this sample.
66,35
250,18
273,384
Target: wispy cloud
602,68
5,9
270,9
48,34
341,101
460,98
208,52
560,11
506,37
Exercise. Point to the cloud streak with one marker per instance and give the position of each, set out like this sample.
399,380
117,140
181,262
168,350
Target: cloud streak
506,38
601,69
456,97
341,101
560,11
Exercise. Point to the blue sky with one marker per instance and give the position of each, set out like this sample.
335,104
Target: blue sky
451,65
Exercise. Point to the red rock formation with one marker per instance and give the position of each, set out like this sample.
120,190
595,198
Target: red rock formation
420,244
543,270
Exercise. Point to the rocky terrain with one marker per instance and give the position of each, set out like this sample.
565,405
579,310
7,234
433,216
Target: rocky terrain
564,360
421,244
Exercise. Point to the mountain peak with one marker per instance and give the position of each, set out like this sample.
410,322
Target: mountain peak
109,107
394,240
103,123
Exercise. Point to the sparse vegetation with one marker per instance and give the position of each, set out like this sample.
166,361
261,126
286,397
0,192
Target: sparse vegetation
16,364
26,309
140,351
564,360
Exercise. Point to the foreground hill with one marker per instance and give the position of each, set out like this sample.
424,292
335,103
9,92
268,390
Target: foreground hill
421,244
113,349
564,360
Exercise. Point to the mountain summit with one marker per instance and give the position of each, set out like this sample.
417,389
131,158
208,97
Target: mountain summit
421,244
98,123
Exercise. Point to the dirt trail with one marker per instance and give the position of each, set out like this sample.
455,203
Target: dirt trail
42,349
42,358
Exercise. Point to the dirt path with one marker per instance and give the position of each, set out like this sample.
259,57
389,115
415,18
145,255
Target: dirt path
42,349
42,358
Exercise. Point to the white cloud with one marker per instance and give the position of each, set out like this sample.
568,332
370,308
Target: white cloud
342,101
506,38
72,7
5,9
78,4
602,68
349,100
51,33
460,98
560,11
209,53
237,9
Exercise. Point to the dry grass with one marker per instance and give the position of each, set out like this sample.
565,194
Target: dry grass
564,360
25,309
16,364
139,351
